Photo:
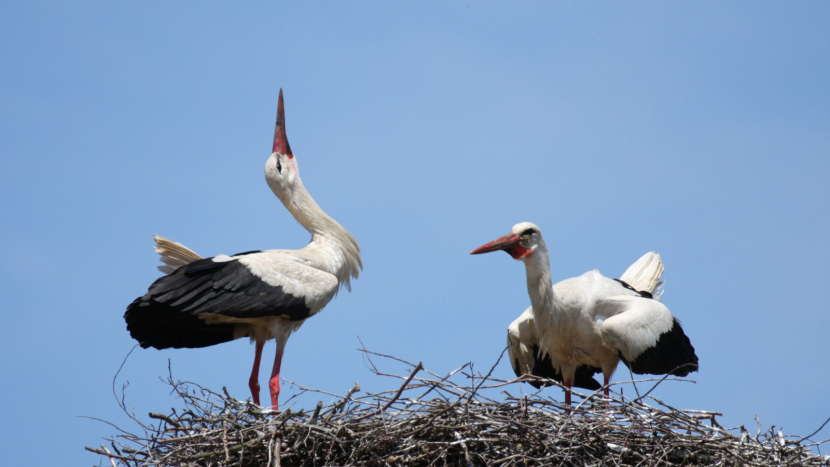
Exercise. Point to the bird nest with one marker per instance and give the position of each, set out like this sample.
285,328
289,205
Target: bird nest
463,418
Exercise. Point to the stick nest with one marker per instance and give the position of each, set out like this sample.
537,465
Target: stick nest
436,420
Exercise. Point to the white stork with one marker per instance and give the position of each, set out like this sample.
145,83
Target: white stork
587,324
259,294
523,341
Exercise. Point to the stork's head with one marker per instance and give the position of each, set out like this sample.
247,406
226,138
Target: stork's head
522,243
281,170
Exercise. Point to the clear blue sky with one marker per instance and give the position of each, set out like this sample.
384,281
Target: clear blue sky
700,130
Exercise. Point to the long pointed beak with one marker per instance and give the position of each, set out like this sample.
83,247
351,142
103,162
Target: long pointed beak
280,140
502,243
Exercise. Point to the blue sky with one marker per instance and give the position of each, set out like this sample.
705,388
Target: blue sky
697,129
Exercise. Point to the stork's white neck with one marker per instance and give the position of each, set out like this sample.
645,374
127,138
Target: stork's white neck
326,233
539,287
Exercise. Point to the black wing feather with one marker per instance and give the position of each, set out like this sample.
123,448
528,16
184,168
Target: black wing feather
583,376
672,354
167,315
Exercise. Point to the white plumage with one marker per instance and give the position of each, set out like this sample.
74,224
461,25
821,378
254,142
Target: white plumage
258,294
173,254
587,324
527,358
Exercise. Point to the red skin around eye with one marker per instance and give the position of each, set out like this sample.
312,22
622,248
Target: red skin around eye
517,251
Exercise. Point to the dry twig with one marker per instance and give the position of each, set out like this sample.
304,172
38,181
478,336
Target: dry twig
462,424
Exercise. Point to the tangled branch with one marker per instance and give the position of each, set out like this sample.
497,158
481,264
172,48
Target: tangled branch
468,419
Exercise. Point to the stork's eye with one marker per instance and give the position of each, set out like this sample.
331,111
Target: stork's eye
528,232
279,166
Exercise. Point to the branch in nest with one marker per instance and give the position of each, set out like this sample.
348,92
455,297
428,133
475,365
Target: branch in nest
460,424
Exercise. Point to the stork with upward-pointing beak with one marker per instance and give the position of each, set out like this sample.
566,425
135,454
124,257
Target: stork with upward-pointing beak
257,294
587,324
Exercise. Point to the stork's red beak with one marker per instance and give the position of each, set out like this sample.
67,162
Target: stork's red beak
280,140
502,243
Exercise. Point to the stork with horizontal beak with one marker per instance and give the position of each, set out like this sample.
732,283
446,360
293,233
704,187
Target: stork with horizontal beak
587,324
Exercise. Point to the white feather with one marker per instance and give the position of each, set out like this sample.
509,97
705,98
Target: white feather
521,337
644,274
174,255
634,324
284,268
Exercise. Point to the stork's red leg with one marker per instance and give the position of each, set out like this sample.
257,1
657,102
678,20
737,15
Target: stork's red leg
253,383
568,385
274,384
606,388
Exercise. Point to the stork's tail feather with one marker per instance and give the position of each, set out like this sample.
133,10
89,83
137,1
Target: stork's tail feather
644,274
174,255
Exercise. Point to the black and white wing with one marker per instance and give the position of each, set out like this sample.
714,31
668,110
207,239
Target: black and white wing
201,303
646,336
